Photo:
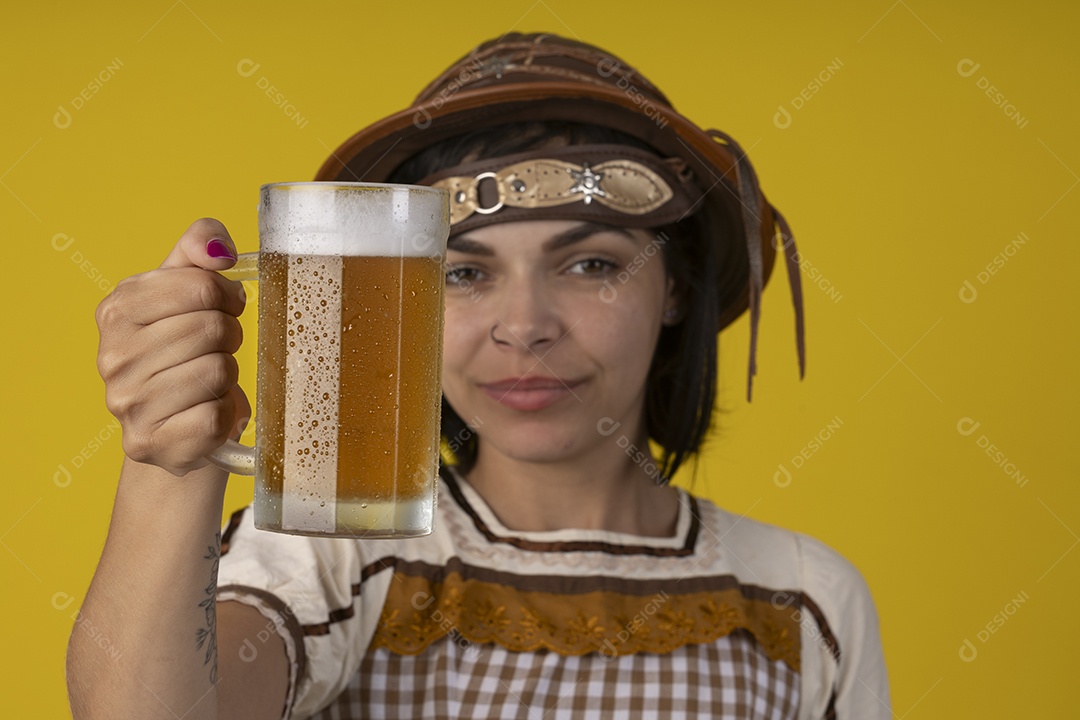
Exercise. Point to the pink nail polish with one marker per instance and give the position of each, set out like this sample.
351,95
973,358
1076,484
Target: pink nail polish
218,248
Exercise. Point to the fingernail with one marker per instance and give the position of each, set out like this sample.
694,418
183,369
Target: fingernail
218,248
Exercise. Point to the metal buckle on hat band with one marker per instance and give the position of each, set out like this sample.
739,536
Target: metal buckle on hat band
498,188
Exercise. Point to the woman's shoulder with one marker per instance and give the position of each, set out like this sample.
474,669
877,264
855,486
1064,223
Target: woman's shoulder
818,567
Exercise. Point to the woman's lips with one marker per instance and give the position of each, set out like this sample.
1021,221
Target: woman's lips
530,393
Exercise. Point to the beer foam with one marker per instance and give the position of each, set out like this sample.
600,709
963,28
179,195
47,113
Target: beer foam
352,219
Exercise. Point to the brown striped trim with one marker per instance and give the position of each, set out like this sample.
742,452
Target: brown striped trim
573,545
341,614
234,522
582,584
830,709
288,620
823,625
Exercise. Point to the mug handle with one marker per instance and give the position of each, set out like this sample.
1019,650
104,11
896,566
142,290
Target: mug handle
232,456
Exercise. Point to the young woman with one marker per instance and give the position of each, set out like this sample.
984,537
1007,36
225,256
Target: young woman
599,241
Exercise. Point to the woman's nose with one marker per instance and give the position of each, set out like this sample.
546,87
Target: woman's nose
526,318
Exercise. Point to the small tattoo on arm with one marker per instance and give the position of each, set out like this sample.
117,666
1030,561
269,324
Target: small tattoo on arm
207,636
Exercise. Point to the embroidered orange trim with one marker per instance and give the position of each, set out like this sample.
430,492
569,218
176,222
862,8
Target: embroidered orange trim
418,612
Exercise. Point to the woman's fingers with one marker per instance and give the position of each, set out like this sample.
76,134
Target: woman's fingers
178,339
183,413
167,338
144,299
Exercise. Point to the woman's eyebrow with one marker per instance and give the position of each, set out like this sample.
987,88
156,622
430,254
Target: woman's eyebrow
462,243
575,234
584,230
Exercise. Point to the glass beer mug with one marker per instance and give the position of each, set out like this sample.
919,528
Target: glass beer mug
349,388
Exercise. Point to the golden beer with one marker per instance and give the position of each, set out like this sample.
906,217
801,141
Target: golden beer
350,359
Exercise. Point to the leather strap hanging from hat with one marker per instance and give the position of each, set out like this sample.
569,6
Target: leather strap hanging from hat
747,181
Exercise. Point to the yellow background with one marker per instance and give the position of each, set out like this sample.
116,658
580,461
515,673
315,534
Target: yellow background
902,180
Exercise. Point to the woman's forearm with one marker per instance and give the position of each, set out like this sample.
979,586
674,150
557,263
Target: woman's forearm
144,644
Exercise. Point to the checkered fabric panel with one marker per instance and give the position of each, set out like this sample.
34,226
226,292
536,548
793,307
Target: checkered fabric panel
729,679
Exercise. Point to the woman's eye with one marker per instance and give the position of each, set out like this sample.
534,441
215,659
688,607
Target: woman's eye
592,266
461,275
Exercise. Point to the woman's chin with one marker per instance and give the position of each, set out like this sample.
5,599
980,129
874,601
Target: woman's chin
530,446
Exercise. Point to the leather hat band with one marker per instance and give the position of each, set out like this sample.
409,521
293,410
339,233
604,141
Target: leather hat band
616,184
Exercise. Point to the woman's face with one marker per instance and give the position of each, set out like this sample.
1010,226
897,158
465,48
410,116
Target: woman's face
550,329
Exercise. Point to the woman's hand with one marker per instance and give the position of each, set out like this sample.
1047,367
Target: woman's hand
166,353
